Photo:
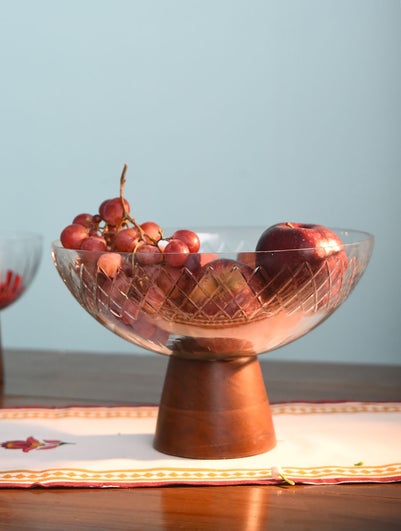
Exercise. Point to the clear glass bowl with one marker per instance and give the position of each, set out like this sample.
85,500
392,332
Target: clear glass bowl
20,254
232,309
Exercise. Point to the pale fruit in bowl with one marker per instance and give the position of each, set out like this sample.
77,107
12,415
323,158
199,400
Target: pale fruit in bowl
225,289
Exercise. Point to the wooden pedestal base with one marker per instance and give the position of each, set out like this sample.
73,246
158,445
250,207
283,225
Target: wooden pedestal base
214,410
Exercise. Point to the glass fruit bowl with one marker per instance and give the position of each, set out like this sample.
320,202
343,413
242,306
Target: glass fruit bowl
213,316
20,254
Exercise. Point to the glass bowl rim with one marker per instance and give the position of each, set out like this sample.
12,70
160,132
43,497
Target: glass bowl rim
362,237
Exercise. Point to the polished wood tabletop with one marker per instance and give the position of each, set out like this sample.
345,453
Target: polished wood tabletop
62,378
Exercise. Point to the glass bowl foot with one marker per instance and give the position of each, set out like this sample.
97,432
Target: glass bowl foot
214,409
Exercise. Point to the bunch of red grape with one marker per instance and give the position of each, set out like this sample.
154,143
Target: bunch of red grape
114,229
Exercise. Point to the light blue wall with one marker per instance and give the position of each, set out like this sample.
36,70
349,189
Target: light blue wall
241,112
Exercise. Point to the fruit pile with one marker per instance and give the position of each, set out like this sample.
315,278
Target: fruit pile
143,272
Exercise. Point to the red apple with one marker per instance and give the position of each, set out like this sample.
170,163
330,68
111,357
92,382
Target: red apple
225,289
304,262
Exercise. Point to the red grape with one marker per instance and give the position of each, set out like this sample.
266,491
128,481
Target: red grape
94,243
73,236
109,264
176,253
153,231
84,219
102,207
112,210
148,254
190,238
126,240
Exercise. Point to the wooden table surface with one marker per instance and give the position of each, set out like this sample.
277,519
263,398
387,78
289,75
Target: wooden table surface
58,378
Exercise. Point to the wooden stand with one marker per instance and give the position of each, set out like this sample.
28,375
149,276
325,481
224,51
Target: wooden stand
214,410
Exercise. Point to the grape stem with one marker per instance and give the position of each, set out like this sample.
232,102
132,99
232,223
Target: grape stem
122,185
126,216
